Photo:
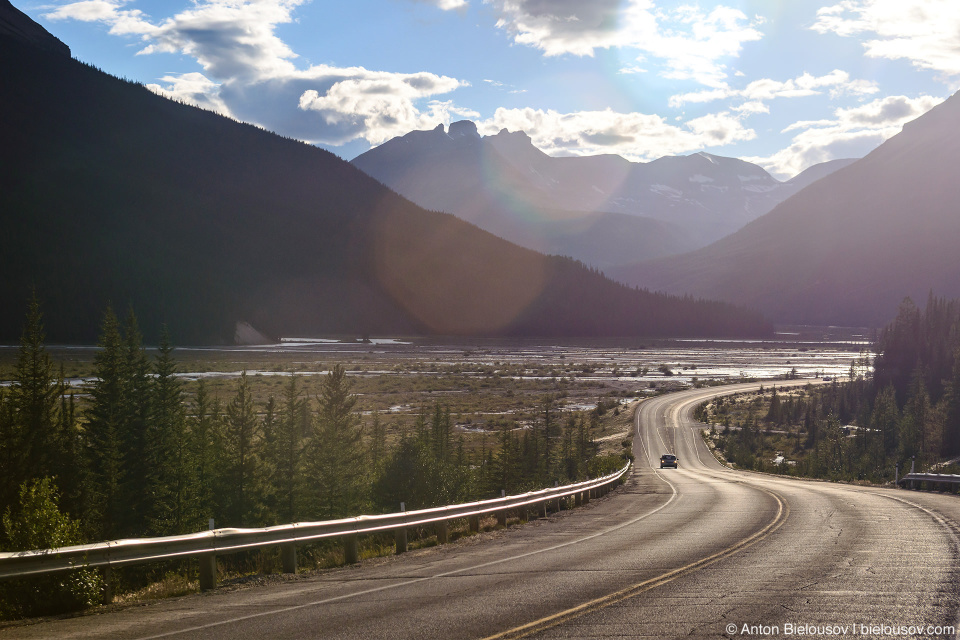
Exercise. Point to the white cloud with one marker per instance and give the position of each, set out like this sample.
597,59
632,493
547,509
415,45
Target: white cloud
852,132
635,136
195,89
447,5
690,43
758,91
925,32
382,104
249,72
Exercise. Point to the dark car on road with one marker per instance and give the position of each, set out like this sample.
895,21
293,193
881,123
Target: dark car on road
669,460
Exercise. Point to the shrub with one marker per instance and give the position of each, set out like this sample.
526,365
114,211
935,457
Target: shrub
37,523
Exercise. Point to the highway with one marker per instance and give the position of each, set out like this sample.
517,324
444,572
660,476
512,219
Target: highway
700,551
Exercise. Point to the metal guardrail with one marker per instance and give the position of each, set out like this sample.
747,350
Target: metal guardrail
206,545
930,481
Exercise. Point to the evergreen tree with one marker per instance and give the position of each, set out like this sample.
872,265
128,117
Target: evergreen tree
105,428
171,479
293,418
951,410
886,419
10,460
34,401
334,457
378,443
916,416
240,456
71,472
136,397
205,442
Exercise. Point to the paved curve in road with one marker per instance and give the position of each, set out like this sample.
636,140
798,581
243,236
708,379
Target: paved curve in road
698,551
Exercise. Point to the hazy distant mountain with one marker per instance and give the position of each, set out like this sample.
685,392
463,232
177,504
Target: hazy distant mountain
849,247
110,193
603,210
811,174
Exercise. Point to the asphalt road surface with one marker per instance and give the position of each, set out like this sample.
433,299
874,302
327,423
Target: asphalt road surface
700,551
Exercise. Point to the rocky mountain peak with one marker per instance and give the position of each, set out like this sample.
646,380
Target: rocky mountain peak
464,129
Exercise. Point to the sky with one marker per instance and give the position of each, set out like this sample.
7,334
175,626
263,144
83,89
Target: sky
782,83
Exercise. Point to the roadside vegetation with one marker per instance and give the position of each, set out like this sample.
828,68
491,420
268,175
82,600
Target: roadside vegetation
137,450
903,414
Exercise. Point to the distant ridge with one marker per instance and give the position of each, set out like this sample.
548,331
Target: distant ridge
849,247
120,196
603,210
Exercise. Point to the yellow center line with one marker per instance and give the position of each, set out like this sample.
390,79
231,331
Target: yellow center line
561,617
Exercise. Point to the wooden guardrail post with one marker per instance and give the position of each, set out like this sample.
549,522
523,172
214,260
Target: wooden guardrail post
502,513
351,551
400,536
208,572
474,522
288,557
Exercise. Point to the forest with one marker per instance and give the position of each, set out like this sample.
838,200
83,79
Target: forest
137,455
904,414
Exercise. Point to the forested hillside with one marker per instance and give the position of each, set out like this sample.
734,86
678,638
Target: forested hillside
906,414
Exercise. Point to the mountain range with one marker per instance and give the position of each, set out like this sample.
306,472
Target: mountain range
112,195
848,248
603,210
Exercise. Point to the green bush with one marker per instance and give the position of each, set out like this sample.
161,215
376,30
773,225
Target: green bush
37,523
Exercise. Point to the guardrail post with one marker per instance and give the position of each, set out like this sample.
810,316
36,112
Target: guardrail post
107,585
351,552
586,495
208,572
542,509
288,557
502,513
474,524
400,536
443,532
556,504
578,499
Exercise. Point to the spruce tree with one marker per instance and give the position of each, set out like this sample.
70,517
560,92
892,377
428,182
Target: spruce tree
240,451
286,459
171,478
334,458
34,401
205,443
105,428
137,398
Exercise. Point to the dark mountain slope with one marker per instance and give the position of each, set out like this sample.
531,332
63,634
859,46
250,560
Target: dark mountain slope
18,25
109,193
848,248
